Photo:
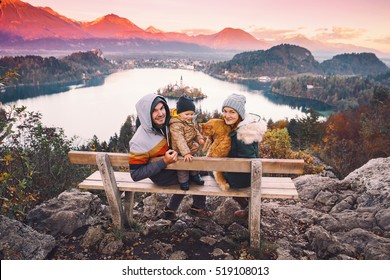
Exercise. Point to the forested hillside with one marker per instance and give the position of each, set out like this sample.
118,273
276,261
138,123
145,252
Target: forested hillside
289,60
341,92
354,64
279,61
75,67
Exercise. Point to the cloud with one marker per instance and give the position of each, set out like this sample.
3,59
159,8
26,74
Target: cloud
193,32
384,40
273,34
338,33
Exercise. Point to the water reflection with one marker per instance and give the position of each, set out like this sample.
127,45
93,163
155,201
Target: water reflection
303,104
12,94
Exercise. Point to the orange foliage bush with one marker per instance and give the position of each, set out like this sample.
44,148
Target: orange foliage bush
276,144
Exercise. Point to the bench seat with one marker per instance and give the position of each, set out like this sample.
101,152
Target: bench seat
271,187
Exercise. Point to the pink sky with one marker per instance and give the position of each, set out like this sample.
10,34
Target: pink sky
361,22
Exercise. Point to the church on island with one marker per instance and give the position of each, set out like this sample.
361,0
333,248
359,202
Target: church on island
175,91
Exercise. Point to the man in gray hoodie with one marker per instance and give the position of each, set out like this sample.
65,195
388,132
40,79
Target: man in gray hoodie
152,140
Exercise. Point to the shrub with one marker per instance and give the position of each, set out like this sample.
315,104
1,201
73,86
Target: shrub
34,164
276,144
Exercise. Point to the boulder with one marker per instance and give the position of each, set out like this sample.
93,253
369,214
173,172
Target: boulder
66,213
21,242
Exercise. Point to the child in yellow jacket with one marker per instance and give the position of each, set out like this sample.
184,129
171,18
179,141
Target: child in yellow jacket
185,135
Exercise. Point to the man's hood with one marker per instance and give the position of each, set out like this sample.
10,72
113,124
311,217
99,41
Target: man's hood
144,109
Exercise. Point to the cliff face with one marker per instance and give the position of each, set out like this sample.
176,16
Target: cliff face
334,219
350,218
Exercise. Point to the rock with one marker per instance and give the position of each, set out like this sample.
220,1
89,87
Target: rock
178,255
92,236
21,242
208,226
153,205
344,204
163,249
284,250
309,186
383,219
238,231
110,245
358,224
179,226
366,244
353,219
372,181
327,246
218,252
208,240
131,236
68,212
153,226
224,214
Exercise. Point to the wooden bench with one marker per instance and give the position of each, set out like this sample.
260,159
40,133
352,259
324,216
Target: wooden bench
113,183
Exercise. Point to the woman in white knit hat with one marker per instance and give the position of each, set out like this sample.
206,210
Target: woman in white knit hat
247,132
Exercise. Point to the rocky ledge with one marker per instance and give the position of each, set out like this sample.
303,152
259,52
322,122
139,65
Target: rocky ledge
334,219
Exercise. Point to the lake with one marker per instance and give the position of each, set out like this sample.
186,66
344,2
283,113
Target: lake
101,106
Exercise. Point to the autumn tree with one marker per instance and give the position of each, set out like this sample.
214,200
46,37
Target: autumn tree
354,137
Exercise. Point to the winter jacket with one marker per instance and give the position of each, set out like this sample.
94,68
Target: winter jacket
149,142
183,134
245,144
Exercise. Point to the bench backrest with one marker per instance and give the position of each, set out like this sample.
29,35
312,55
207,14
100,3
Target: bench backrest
271,166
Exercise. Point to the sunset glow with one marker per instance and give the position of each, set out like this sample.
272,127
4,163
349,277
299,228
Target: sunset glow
360,22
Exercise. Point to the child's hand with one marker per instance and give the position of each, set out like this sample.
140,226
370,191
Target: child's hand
201,141
188,157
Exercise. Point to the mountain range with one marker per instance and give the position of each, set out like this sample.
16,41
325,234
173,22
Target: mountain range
24,26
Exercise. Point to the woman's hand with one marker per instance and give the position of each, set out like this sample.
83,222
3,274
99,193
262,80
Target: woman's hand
170,157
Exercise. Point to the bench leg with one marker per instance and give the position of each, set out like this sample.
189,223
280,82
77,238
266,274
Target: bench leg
255,204
129,203
111,189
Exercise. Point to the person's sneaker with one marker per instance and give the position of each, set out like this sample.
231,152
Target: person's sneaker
185,186
168,214
241,214
197,179
199,212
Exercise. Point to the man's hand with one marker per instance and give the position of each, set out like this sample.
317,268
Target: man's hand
170,157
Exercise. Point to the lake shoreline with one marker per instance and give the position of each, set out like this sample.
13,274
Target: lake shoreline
70,83
101,106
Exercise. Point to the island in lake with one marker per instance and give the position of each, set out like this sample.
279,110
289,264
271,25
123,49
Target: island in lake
175,91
